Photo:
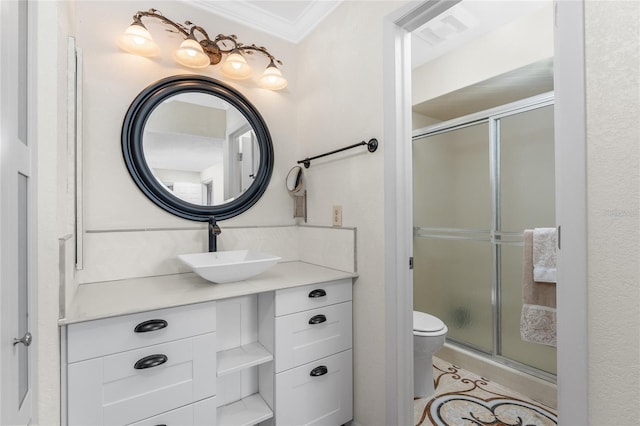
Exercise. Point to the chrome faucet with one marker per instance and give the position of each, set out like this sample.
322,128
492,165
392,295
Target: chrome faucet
214,231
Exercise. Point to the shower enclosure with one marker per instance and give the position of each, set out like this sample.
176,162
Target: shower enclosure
478,182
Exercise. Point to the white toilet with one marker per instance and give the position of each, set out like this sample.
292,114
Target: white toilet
429,334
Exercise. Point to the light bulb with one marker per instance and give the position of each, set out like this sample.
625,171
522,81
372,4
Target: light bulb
272,78
236,66
137,40
190,54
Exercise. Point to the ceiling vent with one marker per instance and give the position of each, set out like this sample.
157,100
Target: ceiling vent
447,26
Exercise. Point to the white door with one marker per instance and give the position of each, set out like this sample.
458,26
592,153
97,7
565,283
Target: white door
248,161
17,195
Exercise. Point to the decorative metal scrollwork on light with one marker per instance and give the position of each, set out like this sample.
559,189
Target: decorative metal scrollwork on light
202,51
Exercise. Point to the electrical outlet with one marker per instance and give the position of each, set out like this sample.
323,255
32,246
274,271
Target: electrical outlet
336,216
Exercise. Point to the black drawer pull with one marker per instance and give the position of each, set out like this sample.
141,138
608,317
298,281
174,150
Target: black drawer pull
151,325
150,361
319,371
317,293
318,319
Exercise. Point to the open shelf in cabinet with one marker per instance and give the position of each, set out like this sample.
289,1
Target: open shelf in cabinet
242,357
246,412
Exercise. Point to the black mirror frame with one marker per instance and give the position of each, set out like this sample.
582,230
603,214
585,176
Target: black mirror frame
132,151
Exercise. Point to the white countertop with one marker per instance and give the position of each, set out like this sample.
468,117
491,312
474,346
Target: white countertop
112,298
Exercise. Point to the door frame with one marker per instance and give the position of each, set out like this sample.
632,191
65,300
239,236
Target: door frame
570,136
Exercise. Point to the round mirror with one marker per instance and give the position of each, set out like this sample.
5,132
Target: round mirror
197,148
295,180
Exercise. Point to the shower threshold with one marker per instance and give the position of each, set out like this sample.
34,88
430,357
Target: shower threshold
536,384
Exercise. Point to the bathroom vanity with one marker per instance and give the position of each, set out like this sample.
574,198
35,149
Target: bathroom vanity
177,350
174,349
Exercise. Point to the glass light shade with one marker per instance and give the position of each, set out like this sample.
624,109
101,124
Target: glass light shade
272,79
190,54
236,67
137,40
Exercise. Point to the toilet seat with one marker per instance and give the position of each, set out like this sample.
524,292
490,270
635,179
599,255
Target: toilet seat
427,325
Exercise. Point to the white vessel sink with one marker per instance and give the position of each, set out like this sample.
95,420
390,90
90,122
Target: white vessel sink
228,266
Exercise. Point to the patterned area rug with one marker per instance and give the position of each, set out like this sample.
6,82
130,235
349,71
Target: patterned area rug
464,399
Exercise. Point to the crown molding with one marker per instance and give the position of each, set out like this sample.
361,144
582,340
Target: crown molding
253,16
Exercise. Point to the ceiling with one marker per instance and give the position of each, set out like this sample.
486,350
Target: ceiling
292,20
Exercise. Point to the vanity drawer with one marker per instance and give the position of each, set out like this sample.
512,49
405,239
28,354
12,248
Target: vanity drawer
126,387
202,413
313,296
306,336
318,393
111,335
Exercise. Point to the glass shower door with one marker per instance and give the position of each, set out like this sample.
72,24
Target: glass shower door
477,185
452,217
526,201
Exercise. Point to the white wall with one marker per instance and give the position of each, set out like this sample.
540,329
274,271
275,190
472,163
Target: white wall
419,121
340,69
505,49
613,193
54,21
112,79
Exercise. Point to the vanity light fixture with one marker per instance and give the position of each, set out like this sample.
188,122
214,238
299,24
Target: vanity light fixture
195,53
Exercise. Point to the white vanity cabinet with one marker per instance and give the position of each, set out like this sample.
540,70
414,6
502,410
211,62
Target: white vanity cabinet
150,368
267,352
311,331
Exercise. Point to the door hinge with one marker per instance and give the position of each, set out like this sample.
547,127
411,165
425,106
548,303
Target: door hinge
411,262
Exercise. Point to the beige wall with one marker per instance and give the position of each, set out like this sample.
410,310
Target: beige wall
419,121
508,48
613,144
112,79
340,69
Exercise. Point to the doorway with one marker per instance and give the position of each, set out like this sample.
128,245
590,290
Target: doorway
570,201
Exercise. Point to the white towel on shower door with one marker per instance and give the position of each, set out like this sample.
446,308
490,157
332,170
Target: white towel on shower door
544,255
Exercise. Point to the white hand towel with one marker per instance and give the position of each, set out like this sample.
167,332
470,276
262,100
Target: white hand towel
544,255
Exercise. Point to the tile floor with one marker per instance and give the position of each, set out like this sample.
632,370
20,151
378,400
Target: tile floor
466,399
